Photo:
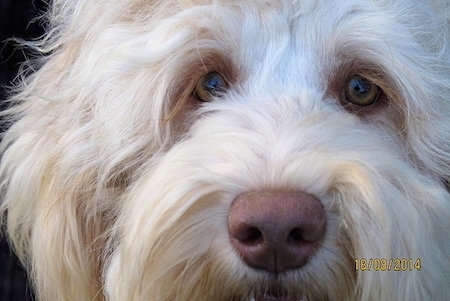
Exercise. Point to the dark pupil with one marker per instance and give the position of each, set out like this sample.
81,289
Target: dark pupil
360,87
213,83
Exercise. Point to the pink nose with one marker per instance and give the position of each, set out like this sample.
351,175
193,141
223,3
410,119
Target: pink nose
276,231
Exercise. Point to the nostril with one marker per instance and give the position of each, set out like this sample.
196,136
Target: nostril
250,236
295,236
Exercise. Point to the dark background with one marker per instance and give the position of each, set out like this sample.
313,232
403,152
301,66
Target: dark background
16,20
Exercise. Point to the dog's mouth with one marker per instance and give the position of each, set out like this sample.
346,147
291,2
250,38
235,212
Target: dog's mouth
279,289
278,297
275,298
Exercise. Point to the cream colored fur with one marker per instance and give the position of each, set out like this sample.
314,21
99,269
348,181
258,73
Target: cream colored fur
117,181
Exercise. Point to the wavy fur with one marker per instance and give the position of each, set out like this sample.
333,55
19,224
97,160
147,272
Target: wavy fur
117,182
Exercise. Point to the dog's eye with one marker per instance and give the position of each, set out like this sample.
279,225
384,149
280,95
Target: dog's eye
361,92
210,85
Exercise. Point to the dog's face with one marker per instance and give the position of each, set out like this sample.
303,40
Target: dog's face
236,151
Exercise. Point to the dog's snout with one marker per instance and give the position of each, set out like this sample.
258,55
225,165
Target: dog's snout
276,231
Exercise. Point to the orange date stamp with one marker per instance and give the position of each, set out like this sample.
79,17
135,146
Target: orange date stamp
387,264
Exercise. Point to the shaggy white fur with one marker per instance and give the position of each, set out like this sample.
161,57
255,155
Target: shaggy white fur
123,159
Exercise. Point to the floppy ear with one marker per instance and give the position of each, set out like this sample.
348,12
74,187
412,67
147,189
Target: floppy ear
76,139
49,175
49,180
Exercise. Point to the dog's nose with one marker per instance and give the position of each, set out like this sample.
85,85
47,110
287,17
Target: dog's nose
276,231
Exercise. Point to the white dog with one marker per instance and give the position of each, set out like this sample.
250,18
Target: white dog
220,150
